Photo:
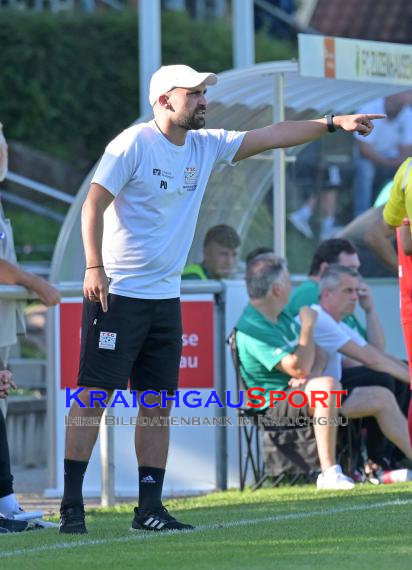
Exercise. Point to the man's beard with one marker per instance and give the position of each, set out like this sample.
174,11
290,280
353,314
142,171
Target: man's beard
192,123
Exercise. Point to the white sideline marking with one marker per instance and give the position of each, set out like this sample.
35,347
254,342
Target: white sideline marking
145,535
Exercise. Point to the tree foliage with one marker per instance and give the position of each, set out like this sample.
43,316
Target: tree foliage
69,82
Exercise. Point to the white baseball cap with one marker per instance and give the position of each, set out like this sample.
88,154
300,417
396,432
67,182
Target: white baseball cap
170,76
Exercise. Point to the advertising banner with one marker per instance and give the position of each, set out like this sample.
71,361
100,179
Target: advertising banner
355,60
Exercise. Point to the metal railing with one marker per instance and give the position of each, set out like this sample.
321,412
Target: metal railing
75,289
39,187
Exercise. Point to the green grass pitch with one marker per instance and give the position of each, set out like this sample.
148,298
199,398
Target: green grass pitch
284,528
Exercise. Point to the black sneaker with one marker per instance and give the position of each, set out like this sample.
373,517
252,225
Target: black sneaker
158,520
12,525
72,520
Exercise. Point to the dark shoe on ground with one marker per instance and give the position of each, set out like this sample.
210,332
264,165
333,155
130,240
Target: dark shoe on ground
12,525
157,520
72,520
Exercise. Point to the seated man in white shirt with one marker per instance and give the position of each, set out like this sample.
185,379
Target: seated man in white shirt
369,392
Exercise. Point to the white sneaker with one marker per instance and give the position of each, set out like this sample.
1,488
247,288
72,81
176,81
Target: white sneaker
333,479
300,224
18,514
32,516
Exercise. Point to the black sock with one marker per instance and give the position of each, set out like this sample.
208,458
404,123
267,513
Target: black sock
6,478
150,487
73,482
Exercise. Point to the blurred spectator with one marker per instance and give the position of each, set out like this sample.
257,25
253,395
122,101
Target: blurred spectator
377,159
12,324
220,252
376,250
314,174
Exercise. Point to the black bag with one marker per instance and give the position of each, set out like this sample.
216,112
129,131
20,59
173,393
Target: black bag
290,450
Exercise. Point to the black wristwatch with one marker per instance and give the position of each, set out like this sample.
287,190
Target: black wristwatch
329,123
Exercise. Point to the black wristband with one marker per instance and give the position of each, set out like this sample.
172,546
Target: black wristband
329,123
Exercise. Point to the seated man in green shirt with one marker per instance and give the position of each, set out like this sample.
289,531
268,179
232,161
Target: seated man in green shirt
220,251
276,353
339,251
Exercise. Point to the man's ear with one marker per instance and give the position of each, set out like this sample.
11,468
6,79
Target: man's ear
276,289
164,102
323,266
324,295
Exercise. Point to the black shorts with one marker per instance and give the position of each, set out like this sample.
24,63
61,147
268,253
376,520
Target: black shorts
136,339
361,376
283,409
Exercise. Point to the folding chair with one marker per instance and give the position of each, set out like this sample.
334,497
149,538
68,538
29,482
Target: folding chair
249,446
349,446
288,452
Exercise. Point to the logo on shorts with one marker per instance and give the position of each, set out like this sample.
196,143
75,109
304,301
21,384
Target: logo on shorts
156,171
107,340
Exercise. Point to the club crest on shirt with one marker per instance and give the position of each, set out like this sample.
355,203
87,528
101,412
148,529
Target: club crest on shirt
190,178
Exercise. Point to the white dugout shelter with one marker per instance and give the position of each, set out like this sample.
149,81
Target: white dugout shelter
243,99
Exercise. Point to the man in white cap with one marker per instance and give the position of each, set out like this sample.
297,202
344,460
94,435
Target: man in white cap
138,223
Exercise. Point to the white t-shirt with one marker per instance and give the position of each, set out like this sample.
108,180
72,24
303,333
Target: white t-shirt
388,134
158,189
331,336
12,318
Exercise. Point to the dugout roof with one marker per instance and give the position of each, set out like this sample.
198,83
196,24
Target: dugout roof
243,99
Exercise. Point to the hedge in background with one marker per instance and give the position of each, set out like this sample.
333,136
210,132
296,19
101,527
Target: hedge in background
69,82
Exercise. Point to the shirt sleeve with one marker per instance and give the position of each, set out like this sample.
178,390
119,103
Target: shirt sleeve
269,356
302,297
228,143
328,333
395,209
118,163
353,334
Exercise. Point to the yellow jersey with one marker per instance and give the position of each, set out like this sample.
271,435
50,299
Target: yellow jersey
399,205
